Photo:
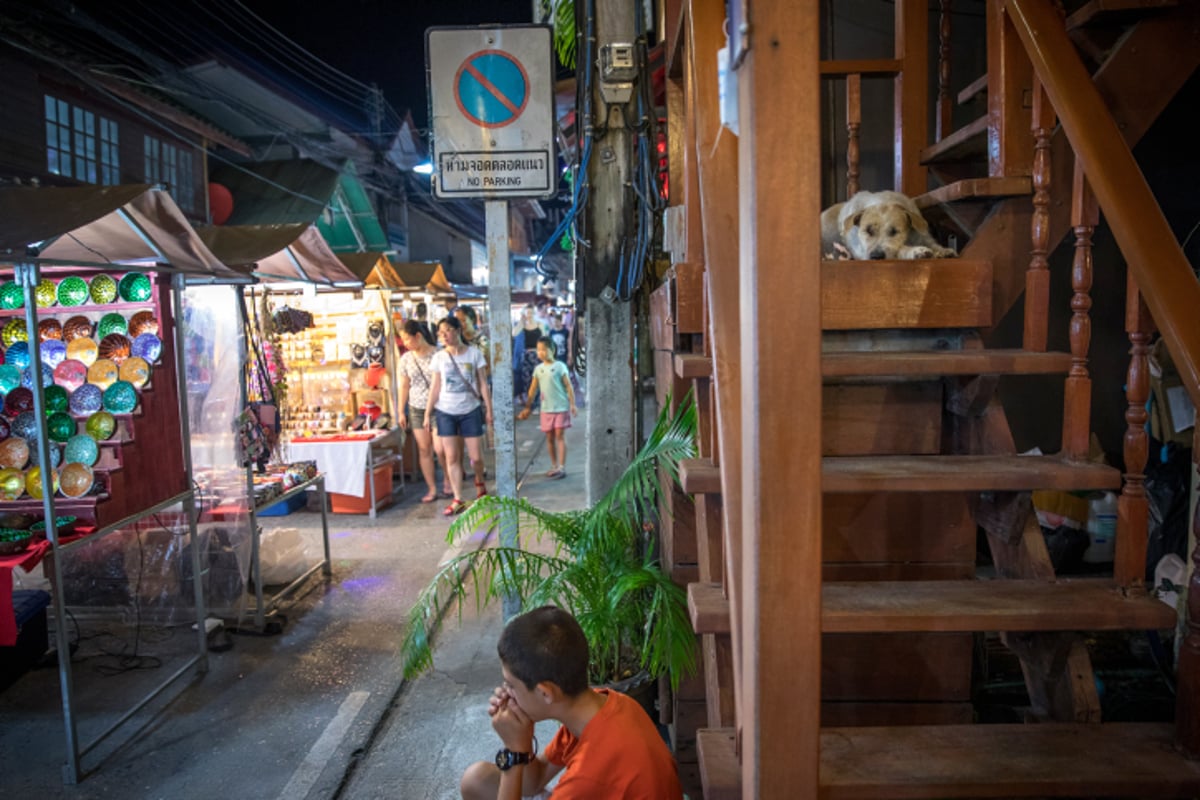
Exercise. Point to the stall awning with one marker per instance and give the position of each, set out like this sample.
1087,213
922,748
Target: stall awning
302,190
280,252
373,269
424,275
101,225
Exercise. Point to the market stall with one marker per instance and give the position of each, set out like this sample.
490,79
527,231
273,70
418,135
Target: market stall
90,283
327,343
244,473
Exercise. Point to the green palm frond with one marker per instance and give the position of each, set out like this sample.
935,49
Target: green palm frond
563,21
602,568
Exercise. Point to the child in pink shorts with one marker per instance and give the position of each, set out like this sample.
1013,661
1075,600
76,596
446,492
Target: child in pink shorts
552,379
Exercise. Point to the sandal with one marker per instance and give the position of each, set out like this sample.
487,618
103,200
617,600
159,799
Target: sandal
555,473
429,498
480,489
455,507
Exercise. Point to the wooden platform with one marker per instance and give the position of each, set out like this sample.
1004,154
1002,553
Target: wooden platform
966,143
962,473
1050,760
998,605
960,606
928,363
975,189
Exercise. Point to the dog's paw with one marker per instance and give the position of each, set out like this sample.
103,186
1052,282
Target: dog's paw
945,252
919,252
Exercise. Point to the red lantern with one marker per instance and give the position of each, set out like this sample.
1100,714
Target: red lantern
220,203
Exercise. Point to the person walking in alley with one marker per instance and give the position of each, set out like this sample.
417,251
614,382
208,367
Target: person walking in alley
416,379
461,402
607,747
552,380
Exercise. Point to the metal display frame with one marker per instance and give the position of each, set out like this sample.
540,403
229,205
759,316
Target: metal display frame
266,606
26,274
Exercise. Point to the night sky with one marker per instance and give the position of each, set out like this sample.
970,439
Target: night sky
382,41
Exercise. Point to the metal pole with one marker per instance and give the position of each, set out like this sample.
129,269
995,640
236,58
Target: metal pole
500,336
27,277
189,505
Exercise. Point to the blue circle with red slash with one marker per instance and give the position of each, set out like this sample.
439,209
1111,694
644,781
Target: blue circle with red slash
491,88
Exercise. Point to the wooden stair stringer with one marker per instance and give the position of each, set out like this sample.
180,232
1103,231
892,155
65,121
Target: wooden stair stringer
1166,46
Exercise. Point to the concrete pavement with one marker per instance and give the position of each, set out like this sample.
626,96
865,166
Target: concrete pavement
319,711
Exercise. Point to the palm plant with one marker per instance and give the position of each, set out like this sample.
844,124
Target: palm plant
602,569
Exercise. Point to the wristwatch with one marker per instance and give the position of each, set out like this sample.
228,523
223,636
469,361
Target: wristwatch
506,759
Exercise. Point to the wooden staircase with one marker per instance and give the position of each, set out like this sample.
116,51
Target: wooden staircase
915,455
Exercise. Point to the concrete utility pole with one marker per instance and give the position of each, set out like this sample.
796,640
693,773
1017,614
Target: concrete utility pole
611,382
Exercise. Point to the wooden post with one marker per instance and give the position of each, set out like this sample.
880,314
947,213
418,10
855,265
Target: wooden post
1132,507
945,102
717,161
1187,698
1037,277
912,95
1077,405
853,123
779,188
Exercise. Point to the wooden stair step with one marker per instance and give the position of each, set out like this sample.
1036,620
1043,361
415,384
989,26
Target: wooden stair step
970,473
708,607
720,772
975,189
973,89
1047,760
926,293
966,143
928,363
959,607
1100,11
693,365
988,605
699,476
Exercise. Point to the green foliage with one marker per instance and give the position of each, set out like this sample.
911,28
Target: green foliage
602,567
561,14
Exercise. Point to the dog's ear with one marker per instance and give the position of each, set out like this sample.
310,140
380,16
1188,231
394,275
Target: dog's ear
917,222
851,223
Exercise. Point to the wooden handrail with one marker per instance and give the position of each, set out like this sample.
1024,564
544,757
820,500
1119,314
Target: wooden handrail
1155,258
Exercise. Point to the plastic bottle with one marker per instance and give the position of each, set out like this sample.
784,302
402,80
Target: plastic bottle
1101,528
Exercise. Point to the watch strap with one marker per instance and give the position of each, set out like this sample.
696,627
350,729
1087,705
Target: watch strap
507,759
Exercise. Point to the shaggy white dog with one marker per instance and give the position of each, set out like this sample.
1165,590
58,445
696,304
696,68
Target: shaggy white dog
878,225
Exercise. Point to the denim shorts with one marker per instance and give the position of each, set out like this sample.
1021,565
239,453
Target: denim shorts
468,425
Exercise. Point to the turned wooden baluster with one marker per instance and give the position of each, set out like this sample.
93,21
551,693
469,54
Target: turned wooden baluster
1187,698
853,122
1037,277
1133,510
1077,403
945,107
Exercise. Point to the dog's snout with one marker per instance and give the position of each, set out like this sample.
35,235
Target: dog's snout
878,255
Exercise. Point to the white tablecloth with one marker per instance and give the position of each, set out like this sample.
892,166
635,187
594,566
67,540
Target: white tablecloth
344,463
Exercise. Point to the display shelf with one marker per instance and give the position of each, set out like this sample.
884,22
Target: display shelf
139,484
86,308
266,605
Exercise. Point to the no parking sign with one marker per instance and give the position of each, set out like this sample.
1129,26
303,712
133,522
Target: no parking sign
491,108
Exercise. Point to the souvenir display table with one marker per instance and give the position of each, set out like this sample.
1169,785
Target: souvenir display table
356,466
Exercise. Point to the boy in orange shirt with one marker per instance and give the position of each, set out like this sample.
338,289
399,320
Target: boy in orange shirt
607,747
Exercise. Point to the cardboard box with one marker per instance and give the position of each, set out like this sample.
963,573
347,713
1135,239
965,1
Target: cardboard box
349,504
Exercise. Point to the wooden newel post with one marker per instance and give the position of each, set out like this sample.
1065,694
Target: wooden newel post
1077,405
1187,699
853,123
1132,507
1037,277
